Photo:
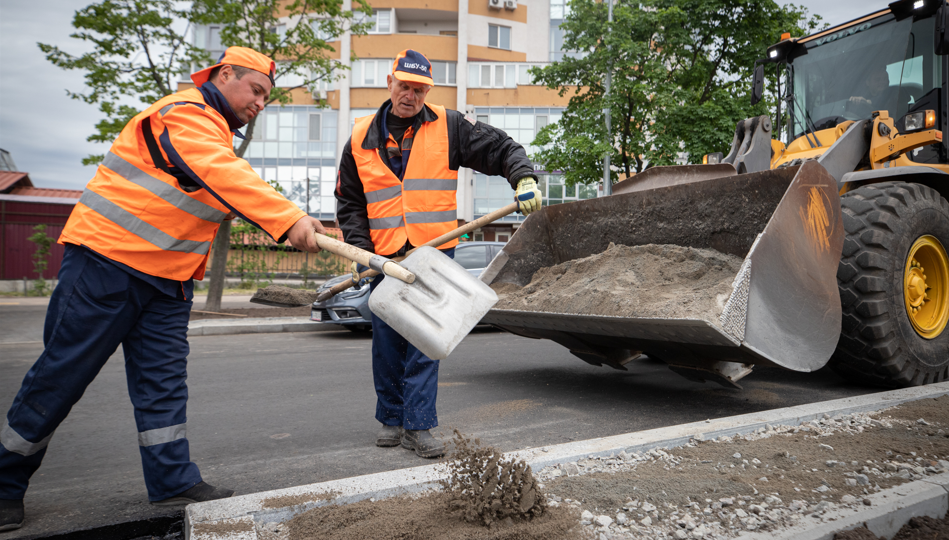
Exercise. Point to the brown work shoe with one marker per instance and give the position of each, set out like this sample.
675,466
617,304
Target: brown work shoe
11,514
389,436
201,492
424,444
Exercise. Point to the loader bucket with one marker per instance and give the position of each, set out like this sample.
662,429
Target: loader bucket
784,309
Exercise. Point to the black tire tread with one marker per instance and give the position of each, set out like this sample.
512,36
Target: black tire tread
870,350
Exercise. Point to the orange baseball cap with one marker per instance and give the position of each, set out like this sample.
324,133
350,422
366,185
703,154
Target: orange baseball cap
412,66
239,56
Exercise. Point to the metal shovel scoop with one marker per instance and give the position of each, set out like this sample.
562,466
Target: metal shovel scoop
439,308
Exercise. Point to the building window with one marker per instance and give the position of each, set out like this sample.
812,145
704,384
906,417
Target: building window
315,130
443,72
370,72
280,30
380,21
502,237
499,37
320,32
495,75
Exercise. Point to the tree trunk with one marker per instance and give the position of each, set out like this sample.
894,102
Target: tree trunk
222,243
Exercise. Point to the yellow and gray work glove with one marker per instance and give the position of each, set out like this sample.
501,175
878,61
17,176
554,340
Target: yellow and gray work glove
355,268
527,196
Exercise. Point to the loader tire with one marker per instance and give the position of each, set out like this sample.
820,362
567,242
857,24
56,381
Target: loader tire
879,344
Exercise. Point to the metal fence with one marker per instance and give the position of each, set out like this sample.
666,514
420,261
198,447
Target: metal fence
255,257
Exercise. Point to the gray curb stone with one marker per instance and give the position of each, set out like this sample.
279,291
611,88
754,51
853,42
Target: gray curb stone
926,496
889,510
262,325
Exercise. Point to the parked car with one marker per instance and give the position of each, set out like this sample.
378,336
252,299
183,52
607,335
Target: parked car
350,308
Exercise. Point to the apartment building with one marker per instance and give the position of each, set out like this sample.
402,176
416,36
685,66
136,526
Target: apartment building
481,51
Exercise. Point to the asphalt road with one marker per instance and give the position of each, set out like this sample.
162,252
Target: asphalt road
269,411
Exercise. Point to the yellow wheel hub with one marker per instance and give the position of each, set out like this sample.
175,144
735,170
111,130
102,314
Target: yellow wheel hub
926,286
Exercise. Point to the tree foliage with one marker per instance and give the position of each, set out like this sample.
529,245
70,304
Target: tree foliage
295,33
139,51
681,79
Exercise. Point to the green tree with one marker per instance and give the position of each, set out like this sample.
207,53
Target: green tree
40,258
680,73
295,33
139,52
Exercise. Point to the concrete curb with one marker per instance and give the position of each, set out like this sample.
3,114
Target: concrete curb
889,510
249,512
263,325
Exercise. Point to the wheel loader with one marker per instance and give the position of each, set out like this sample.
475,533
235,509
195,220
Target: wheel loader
840,218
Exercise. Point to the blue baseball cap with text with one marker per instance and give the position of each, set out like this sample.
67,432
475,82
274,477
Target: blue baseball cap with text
412,66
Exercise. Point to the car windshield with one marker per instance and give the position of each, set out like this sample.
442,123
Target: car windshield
881,64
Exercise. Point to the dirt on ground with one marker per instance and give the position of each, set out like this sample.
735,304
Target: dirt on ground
776,477
251,313
763,481
484,497
287,296
648,281
917,528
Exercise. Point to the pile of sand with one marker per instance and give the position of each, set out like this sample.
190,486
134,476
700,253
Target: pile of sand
285,296
654,280
485,498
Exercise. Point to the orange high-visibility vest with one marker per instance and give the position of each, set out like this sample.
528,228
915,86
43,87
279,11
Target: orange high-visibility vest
136,214
420,207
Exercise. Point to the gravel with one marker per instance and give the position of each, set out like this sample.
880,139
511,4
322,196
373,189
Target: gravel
707,490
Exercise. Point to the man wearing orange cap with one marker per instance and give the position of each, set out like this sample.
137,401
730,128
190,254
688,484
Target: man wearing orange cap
397,184
140,235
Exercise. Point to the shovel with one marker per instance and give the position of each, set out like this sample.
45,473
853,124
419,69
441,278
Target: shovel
457,233
439,308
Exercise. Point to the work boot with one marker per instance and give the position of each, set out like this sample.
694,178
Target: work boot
201,492
424,444
11,514
389,436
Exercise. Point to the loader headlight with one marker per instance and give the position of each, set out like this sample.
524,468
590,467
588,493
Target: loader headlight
919,120
712,159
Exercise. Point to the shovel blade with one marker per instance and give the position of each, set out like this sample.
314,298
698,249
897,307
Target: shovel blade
437,311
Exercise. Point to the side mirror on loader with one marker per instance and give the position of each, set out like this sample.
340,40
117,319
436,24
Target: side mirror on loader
757,85
941,33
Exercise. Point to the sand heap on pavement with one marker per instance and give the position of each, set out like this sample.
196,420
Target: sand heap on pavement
284,296
488,489
654,280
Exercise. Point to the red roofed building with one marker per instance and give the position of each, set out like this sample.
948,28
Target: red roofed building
22,207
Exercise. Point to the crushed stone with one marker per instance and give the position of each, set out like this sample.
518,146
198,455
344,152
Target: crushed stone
653,280
773,478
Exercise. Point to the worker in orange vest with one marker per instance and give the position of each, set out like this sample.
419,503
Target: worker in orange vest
396,189
139,236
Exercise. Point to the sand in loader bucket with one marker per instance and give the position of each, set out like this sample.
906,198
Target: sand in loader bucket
280,295
649,281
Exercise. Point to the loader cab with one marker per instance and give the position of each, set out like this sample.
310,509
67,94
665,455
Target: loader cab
885,61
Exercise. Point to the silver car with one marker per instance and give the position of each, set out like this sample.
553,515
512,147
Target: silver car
350,308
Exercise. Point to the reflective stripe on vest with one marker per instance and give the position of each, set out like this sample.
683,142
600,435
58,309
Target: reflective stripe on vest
162,190
123,218
423,205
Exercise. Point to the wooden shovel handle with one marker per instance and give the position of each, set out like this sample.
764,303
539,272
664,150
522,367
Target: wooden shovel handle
447,237
364,257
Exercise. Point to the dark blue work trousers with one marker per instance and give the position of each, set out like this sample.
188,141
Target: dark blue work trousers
406,380
96,307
